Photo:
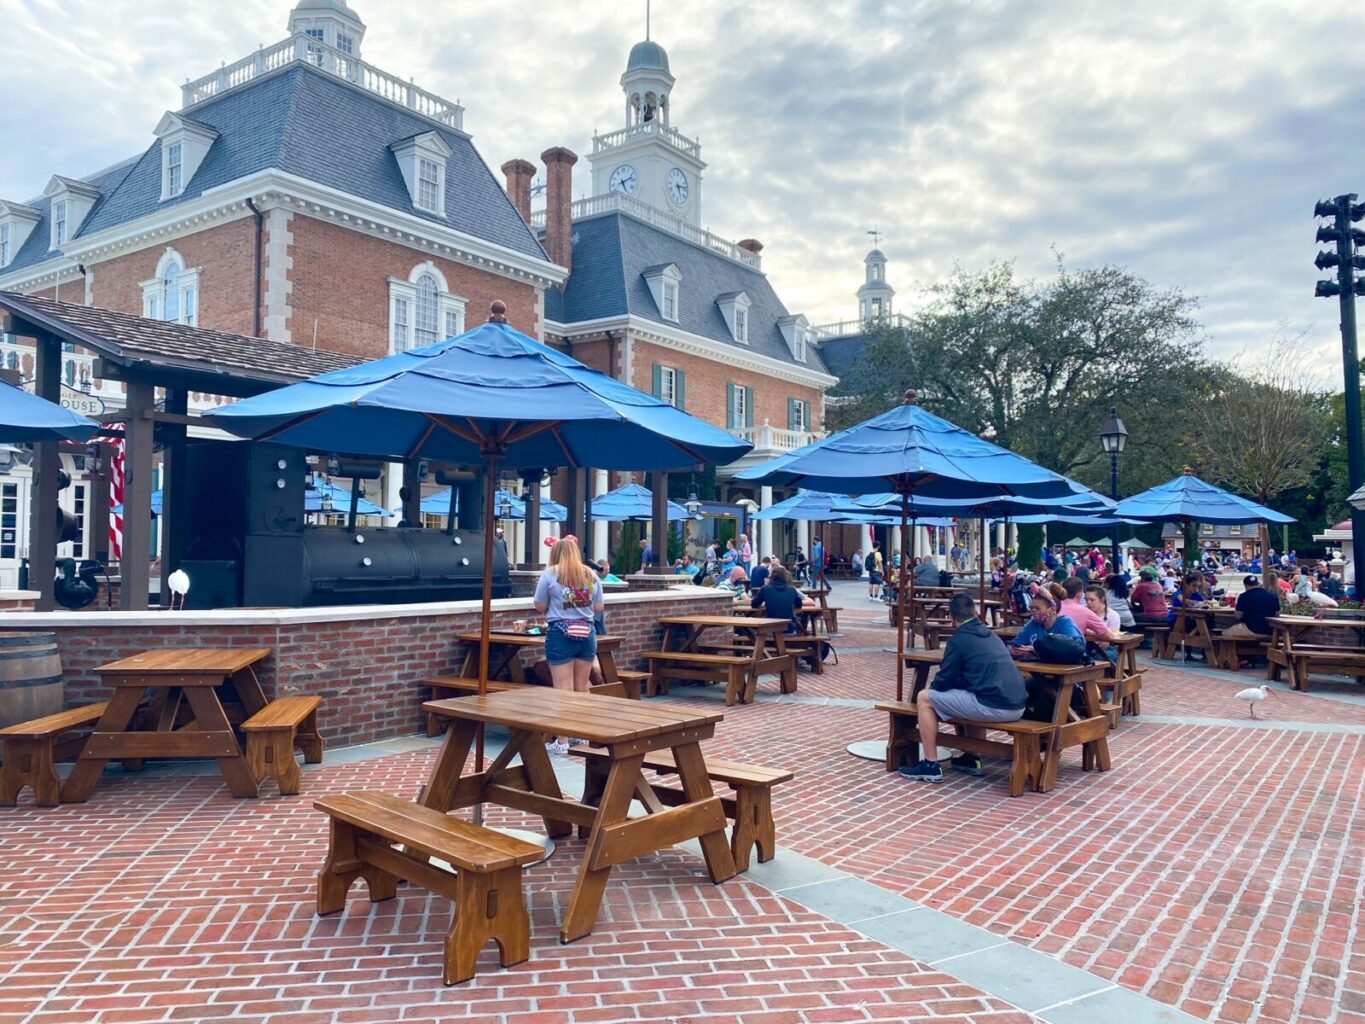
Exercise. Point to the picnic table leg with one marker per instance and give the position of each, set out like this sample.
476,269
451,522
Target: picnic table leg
161,715
81,782
439,792
541,775
592,882
697,785
788,677
1098,750
209,717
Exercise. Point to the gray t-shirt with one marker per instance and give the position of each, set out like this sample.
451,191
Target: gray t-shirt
566,604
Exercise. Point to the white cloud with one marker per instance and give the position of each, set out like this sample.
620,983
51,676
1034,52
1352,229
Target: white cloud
1187,139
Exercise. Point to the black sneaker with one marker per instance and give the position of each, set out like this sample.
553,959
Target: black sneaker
925,771
969,763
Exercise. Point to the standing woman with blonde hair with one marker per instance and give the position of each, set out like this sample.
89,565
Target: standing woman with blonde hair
569,595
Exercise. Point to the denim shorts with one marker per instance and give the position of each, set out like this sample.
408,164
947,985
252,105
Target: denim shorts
560,648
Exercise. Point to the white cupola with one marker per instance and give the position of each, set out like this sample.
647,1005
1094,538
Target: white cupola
330,22
875,295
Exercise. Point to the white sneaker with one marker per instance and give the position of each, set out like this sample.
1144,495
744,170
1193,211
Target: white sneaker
558,748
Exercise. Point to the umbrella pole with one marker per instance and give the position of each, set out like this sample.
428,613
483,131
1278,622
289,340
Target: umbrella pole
900,609
489,494
981,566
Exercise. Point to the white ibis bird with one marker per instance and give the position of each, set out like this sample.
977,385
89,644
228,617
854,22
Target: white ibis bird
179,583
1253,695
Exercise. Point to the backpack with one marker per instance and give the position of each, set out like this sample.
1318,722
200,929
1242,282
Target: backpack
1056,649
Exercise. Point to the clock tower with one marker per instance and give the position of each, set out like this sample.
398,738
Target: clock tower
649,159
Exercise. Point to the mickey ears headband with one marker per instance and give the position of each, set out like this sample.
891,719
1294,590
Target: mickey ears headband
552,541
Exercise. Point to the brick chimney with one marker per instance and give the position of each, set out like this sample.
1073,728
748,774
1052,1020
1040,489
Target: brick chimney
519,174
558,204
752,245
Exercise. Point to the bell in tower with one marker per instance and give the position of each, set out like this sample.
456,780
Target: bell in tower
647,83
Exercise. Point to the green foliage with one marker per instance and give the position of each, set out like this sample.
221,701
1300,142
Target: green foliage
1030,551
628,553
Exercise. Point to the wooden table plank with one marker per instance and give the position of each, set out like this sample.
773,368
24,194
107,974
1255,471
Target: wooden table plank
225,661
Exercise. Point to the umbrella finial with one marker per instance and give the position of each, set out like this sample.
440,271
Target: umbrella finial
911,397
497,312
1189,471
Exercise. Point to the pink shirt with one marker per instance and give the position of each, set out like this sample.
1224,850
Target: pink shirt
1086,621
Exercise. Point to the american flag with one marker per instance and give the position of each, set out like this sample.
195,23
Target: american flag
115,487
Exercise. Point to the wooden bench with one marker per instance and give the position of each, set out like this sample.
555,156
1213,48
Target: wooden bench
730,669
634,681
803,647
1338,660
1022,747
32,752
1232,649
368,828
272,734
751,808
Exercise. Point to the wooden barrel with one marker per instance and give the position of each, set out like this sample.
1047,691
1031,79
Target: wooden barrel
30,677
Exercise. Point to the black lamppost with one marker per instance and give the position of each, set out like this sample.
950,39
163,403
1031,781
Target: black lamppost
1113,438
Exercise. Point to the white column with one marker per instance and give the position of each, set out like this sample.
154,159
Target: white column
803,536
999,532
890,556
765,527
393,480
547,529
600,528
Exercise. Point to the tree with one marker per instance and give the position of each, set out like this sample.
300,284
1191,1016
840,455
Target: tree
1262,433
877,381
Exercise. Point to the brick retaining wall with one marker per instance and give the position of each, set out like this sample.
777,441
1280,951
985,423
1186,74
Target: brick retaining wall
367,663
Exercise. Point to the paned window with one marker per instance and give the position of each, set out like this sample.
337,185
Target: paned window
174,169
400,324
59,221
425,332
6,237
738,410
454,322
741,325
670,301
169,284
798,411
9,519
428,185
668,384
345,44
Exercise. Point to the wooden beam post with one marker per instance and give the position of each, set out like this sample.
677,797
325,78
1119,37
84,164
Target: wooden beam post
42,531
412,505
134,567
590,553
573,500
174,520
659,525
531,493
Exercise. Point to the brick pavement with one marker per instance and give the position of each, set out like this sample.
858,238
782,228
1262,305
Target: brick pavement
1216,868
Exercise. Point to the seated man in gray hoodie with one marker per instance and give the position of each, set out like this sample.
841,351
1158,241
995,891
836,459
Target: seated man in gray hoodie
977,682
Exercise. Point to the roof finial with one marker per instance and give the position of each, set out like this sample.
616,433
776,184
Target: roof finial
911,397
876,237
497,312
647,20
1189,471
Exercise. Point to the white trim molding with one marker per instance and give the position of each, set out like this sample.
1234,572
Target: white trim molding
445,319
691,344
21,220
734,306
416,156
275,189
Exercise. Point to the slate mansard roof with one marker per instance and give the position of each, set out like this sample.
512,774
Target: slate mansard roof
305,122
611,254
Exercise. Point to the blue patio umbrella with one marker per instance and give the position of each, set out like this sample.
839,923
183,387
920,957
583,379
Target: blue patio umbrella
918,455
1189,499
492,397
632,502
438,504
28,418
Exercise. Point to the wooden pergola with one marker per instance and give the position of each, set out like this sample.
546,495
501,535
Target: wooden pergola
145,355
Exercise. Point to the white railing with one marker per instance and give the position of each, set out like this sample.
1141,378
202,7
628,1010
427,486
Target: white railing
768,438
848,328
302,47
649,129
614,202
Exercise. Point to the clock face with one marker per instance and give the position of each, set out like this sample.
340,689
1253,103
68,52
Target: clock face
677,187
625,180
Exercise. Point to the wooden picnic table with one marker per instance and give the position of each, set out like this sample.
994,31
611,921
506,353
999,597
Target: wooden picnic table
1069,730
505,647
807,616
178,677
629,731
1193,626
829,616
1289,631
768,653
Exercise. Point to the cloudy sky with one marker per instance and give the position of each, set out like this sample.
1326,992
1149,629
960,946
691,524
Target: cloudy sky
1186,139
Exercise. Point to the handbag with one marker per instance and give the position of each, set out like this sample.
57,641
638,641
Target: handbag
1056,649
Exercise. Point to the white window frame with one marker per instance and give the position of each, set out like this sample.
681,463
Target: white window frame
668,384
741,325
20,221
410,153
61,223
670,306
155,293
450,309
734,307
175,169
799,416
665,285
6,244
429,182
738,412
346,43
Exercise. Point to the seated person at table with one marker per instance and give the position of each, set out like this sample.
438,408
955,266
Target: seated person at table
778,598
977,682
926,573
758,579
685,566
1116,599
737,582
1048,633
1256,606
1148,599
1074,607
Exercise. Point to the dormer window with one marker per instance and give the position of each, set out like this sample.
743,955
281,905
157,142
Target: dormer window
734,306
184,145
16,224
664,281
796,331
422,161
